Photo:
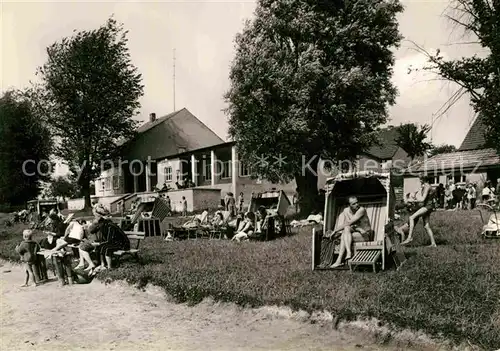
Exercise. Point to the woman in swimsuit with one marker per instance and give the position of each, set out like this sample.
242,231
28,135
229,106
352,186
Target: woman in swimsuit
425,198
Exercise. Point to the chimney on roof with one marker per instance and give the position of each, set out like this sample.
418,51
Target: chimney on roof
152,117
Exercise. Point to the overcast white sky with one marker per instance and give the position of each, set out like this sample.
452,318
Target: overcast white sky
202,34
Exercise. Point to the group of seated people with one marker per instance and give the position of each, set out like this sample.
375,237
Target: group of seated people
101,237
251,226
238,228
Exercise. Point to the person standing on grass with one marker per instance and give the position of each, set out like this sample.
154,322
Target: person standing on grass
426,201
241,201
440,195
169,205
226,202
122,208
184,206
295,201
486,193
471,195
448,197
231,204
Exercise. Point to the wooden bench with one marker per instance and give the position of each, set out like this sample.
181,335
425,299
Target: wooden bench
132,235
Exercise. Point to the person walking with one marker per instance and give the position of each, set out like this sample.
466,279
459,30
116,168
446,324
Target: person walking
426,200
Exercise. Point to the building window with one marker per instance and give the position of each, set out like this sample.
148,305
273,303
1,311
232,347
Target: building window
226,169
435,180
244,170
116,182
207,171
108,183
168,173
460,178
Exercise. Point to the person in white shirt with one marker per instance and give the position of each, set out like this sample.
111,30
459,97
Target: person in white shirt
471,196
486,193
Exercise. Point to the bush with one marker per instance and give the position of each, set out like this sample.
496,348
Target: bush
8,208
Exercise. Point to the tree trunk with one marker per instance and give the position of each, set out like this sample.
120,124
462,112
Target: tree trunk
84,182
86,194
307,187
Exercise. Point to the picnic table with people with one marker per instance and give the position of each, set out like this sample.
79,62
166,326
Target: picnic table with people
101,238
228,223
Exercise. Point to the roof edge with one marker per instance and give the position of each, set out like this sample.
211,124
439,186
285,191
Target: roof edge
189,152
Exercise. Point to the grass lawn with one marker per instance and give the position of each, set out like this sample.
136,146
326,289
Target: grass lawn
451,291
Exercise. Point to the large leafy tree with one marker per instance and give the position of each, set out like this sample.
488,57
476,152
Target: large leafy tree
412,138
62,187
89,93
477,75
25,148
311,79
442,149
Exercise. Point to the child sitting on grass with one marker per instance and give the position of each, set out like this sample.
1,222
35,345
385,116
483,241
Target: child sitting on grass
27,251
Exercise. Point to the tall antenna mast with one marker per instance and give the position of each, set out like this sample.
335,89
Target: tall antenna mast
174,79
432,125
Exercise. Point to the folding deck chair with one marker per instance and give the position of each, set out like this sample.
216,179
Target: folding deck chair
491,221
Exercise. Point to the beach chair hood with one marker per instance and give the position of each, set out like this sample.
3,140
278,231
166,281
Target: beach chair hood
275,201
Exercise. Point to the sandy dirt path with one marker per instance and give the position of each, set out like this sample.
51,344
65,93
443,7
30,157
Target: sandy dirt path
117,317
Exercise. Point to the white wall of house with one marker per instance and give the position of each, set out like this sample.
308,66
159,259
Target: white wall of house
76,204
79,203
411,184
110,183
167,172
107,200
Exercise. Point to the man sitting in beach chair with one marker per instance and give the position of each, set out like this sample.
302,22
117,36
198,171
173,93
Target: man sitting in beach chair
354,225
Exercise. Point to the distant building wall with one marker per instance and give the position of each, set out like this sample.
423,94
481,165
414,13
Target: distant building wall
167,172
412,183
76,204
110,182
197,199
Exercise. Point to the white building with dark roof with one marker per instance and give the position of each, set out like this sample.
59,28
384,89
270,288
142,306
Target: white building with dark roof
471,163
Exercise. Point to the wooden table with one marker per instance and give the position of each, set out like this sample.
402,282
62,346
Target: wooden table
62,263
